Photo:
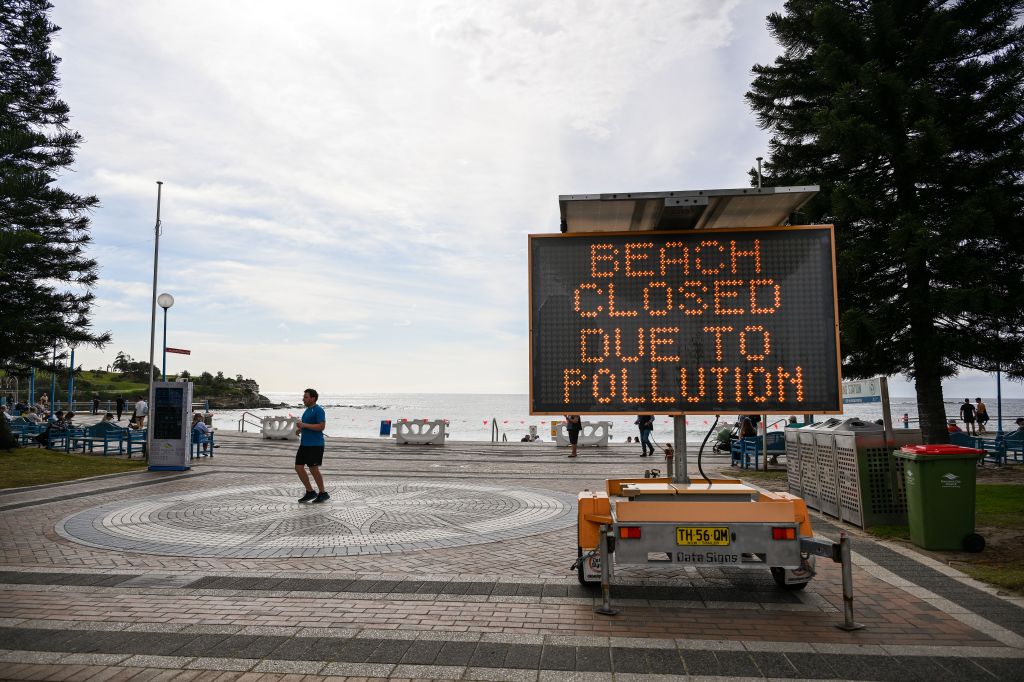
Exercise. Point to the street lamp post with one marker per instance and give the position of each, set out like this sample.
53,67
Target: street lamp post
71,380
53,380
165,301
999,401
152,319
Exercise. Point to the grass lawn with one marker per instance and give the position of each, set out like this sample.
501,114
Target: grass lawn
1007,576
35,466
999,518
1000,505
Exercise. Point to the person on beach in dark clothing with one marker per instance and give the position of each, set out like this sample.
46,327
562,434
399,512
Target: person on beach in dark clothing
967,414
747,428
95,404
310,429
573,426
119,404
645,422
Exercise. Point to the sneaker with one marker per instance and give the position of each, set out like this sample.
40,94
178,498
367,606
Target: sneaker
322,497
310,495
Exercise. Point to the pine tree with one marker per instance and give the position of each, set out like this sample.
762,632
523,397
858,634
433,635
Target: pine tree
44,230
910,115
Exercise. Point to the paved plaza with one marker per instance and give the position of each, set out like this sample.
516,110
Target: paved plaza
430,562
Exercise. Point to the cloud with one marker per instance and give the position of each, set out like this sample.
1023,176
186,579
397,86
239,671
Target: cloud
348,187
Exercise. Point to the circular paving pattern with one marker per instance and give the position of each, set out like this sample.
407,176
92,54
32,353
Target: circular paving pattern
265,520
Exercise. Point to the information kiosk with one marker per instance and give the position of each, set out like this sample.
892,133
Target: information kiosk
171,426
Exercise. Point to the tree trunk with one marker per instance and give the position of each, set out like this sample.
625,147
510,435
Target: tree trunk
927,355
930,407
928,376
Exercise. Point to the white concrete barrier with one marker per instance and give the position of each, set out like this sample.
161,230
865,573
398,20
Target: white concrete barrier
594,434
282,428
420,432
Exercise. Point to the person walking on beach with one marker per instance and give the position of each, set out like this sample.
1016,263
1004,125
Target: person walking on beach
645,422
141,410
119,403
573,426
967,414
981,414
310,430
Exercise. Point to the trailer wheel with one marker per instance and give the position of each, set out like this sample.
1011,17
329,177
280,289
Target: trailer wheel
579,571
780,579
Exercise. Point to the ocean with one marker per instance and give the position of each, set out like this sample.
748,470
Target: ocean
472,417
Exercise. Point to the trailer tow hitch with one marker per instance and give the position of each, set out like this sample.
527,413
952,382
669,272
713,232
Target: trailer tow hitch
839,552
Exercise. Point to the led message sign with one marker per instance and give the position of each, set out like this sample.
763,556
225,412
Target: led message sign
703,321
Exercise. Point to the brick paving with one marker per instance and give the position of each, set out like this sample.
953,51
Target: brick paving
153,576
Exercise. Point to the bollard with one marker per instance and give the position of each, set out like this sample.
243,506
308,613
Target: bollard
606,587
844,553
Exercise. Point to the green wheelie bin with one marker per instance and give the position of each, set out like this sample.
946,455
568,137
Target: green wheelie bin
940,486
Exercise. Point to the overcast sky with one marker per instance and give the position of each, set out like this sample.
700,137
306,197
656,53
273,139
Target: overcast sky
348,186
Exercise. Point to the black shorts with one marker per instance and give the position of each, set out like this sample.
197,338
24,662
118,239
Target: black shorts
310,455
983,418
574,436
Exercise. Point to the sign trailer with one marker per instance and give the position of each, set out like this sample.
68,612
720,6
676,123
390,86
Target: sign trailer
645,306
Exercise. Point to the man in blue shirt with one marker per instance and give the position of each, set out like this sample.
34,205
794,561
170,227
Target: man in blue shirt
310,430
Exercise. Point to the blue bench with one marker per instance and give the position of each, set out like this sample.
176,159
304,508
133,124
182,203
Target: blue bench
740,450
136,437
199,439
106,433
51,438
996,449
747,451
1003,447
73,436
25,431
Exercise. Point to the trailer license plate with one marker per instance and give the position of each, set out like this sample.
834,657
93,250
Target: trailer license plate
689,535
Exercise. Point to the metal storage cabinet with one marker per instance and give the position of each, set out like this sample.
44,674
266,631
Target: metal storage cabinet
845,468
828,471
869,483
809,466
794,462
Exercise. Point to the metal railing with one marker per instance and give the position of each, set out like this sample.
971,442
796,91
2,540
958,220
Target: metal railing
250,419
495,432
107,405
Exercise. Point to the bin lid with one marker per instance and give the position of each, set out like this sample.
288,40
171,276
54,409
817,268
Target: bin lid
822,425
852,426
940,450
